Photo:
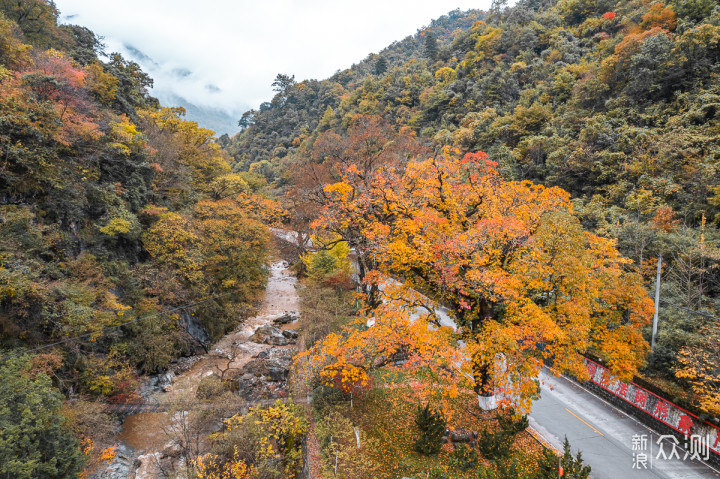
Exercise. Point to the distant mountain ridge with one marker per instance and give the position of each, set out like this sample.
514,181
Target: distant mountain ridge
299,107
220,120
216,119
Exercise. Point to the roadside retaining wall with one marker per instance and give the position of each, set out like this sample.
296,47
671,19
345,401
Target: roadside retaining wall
654,411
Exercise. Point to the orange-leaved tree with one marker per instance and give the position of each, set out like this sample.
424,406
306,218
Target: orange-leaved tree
370,144
394,335
523,281
700,369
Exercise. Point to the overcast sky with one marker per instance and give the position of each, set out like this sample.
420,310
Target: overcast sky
226,53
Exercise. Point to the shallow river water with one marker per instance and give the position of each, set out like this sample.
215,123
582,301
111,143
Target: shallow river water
143,434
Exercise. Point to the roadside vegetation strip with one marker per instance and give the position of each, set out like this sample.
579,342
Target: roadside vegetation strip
541,440
380,418
323,309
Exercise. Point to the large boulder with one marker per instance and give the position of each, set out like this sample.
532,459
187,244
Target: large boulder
265,376
461,435
286,318
253,388
290,333
165,380
272,369
172,449
148,465
269,335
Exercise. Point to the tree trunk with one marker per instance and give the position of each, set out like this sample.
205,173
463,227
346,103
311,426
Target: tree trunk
485,388
372,291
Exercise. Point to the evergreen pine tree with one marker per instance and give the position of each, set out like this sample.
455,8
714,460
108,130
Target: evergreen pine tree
510,425
432,430
33,439
381,65
431,47
573,467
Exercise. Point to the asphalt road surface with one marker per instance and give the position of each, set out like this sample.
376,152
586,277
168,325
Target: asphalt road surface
605,435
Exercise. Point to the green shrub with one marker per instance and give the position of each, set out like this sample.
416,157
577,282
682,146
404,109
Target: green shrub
573,467
495,445
34,439
506,468
464,458
432,430
437,473
510,425
210,387
324,396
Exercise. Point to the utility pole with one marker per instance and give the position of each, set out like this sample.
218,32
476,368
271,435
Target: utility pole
657,303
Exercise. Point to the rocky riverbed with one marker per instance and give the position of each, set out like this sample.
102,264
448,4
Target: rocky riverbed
256,357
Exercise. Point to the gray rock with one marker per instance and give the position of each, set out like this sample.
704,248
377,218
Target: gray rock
284,355
290,333
461,435
193,327
166,380
273,369
285,319
120,467
254,367
172,449
278,370
255,388
265,377
149,465
269,335
277,341
185,363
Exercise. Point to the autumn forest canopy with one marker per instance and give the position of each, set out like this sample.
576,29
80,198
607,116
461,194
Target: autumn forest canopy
115,214
523,168
611,102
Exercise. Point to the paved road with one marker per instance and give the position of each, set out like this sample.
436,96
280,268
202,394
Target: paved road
604,434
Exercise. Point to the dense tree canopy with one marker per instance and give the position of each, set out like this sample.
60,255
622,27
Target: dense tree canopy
33,441
523,280
114,214
614,102
125,229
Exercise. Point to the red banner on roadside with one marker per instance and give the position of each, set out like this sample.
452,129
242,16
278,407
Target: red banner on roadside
664,411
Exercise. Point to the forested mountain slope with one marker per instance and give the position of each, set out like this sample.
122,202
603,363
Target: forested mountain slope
614,101
299,108
130,237
116,217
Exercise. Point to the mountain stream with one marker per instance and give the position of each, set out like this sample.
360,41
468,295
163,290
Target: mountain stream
146,448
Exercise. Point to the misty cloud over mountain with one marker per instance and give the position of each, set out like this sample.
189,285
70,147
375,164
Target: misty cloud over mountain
172,85
223,56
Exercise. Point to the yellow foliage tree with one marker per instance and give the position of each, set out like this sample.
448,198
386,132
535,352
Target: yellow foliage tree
700,368
524,281
272,438
198,152
333,261
102,84
172,241
14,54
211,467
